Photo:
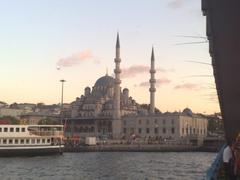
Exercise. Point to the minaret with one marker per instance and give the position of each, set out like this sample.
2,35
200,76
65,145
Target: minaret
116,124
152,81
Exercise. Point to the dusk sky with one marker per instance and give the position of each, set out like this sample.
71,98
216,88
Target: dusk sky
48,40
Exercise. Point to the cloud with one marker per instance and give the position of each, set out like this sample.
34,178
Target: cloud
133,71
188,86
75,59
176,4
159,82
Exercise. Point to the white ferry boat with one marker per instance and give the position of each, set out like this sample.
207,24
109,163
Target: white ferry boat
30,140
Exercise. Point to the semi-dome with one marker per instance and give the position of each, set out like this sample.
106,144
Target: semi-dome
105,81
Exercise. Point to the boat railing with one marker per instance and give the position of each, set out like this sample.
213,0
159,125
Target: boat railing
47,133
213,171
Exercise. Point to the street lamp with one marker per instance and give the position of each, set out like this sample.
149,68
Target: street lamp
61,112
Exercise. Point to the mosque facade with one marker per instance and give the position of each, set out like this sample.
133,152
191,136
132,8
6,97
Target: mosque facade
107,111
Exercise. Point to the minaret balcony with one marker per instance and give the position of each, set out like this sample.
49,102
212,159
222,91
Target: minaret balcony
117,60
117,71
152,89
152,81
152,71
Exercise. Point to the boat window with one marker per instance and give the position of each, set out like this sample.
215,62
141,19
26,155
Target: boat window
11,129
16,141
38,141
43,140
5,129
27,141
33,141
17,129
4,141
10,141
23,129
48,140
0,129
22,141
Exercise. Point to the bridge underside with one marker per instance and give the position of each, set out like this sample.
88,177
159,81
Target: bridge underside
223,31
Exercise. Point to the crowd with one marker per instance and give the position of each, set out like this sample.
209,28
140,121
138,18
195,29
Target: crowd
231,159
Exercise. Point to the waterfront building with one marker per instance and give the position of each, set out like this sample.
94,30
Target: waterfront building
176,126
107,111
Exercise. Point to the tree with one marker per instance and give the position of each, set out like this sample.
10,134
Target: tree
48,121
9,120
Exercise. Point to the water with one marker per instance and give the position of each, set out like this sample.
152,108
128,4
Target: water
108,166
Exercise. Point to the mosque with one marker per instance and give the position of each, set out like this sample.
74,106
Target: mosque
107,111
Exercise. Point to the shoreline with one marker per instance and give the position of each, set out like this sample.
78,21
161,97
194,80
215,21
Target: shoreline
140,148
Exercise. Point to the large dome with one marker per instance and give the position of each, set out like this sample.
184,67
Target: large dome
105,81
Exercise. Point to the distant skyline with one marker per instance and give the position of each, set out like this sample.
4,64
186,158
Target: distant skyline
45,41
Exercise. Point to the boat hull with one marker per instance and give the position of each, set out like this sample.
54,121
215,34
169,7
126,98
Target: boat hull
30,151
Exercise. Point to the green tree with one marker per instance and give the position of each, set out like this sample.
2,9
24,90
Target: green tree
10,119
48,121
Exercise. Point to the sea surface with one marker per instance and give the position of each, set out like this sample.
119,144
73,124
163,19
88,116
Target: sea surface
108,166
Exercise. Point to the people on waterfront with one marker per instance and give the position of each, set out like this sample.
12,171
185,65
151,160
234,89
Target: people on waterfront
237,156
229,161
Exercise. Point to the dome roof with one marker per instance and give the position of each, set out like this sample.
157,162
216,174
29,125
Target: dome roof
188,111
105,81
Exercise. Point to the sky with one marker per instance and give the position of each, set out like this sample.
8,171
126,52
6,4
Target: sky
45,41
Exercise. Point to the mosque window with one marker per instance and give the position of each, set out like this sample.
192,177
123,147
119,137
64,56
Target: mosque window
147,130
124,130
156,130
182,130
139,121
173,130
139,130
164,130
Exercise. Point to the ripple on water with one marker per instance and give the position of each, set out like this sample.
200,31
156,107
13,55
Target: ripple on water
108,166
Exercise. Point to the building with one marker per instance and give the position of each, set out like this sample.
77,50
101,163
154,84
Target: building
177,125
11,112
107,111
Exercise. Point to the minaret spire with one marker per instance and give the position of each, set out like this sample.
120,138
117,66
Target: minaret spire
118,42
116,124
152,81
152,56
